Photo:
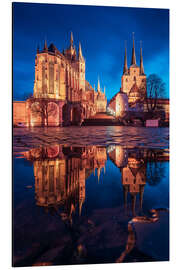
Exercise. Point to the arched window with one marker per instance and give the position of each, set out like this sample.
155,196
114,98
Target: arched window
126,80
134,78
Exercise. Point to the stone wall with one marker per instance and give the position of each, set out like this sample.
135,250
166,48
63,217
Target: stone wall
19,113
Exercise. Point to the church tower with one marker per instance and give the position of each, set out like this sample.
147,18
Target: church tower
133,79
81,68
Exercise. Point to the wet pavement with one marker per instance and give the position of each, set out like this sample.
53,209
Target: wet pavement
90,195
25,138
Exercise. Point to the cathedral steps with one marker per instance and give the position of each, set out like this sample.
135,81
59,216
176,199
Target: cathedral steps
101,119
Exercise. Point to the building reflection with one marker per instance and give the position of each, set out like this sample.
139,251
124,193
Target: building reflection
61,172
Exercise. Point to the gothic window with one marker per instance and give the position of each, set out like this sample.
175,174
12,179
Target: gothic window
143,80
126,80
51,78
134,78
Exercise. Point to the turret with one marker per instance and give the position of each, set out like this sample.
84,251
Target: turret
141,63
80,56
45,46
80,206
81,64
71,40
141,196
98,88
98,173
133,59
133,200
125,69
125,193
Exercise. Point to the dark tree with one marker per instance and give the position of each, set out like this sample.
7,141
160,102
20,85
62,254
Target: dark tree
44,108
155,89
155,173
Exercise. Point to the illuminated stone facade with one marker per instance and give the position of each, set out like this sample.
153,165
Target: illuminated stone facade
133,80
60,80
119,104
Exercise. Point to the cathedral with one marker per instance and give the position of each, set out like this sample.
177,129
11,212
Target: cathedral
62,96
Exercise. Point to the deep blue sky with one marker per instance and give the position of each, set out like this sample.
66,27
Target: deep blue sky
102,32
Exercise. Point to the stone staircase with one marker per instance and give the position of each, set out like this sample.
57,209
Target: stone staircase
101,119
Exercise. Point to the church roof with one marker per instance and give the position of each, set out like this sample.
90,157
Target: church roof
134,88
134,66
52,48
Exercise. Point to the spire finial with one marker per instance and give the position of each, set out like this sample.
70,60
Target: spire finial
141,60
99,88
99,173
133,60
125,192
125,69
133,35
133,198
104,89
71,41
45,45
141,196
80,51
80,207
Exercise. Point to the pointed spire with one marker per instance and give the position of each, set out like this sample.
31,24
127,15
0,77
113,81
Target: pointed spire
133,200
104,89
45,46
98,173
80,207
71,41
38,48
125,69
80,51
141,196
98,88
125,192
133,60
141,61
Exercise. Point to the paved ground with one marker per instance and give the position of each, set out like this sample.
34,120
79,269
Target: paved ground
24,138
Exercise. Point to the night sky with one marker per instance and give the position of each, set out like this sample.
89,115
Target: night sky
102,32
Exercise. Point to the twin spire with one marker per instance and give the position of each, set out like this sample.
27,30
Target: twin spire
133,60
125,69
141,63
72,40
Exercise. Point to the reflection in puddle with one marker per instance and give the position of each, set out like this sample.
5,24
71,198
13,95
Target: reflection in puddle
98,193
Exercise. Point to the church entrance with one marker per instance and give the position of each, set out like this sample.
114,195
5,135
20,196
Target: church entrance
75,116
